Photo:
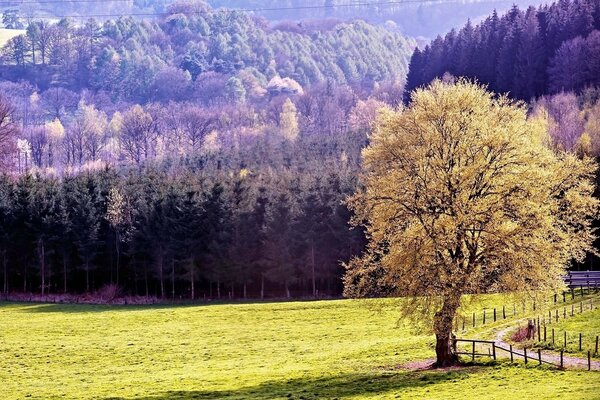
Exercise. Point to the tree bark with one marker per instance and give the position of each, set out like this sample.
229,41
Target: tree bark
442,325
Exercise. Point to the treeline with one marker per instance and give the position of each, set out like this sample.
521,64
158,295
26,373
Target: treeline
154,232
426,19
192,49
527,54
61,131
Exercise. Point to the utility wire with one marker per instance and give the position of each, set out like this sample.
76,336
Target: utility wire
259,9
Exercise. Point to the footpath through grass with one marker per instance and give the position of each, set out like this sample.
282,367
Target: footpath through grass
300,350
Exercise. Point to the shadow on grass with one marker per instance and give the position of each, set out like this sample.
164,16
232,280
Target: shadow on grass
32,307
330,387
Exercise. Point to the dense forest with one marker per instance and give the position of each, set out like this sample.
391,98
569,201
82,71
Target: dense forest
209,154
192,50
421,18
527,53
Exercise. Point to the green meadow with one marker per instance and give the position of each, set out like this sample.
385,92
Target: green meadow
341,349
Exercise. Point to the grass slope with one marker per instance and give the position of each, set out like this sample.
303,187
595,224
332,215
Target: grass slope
300,350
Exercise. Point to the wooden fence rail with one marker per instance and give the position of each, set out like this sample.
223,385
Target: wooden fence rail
492,353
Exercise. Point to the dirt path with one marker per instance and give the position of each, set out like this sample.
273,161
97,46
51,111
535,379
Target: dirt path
568,361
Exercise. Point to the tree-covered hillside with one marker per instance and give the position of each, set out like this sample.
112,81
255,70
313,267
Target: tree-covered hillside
133,59
526,53
413,18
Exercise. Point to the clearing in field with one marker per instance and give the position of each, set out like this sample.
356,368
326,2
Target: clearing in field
342,349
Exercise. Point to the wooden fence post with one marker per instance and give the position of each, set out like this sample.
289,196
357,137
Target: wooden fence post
484,316
565,346
473,320
589,361
511,354
540,356
564,297
580,342
554,298
561,359
544,333
552,336
494,315
503,312
596,345
473,351
525,354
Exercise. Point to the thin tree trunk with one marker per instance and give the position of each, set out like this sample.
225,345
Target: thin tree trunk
312,256
146,279
442,325
262,286
4,268
162,281
42,257
118,251
65,272
192,281
173,278
87,276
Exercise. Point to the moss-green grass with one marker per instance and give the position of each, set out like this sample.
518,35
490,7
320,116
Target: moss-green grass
587,323
302,350
7,34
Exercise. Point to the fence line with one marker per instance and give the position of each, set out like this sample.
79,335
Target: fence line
512,353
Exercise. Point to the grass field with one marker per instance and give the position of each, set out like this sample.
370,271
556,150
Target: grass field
299,350
7,34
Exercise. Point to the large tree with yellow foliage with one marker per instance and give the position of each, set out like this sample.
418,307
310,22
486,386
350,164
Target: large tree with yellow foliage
462,194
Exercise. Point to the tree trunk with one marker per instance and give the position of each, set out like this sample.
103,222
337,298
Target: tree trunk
442,325
192,281
173,278
65,272
262,287
118,251
4,265
162,281
42,257
87,277
312,256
